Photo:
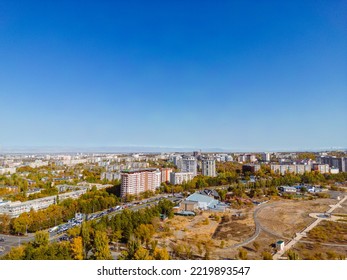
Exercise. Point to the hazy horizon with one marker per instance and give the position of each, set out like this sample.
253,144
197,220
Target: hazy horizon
147,149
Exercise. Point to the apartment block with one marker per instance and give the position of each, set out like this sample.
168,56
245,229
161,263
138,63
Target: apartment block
177,178
209,167
135,182
165,174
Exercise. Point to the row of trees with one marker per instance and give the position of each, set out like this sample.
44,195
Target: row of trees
92,201
91,240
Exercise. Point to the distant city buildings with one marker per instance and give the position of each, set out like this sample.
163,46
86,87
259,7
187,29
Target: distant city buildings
335,162
8,170
135,182
266,157
252,168
321,168
247,158
290,168
110,176
223,158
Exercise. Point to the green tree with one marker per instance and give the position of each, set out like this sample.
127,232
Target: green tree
5,222
41,239
145,233
86,240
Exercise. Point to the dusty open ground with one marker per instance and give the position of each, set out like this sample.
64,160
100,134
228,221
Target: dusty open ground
287,217
216,235
205,232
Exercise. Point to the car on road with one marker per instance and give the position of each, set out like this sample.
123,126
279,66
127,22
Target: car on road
2,239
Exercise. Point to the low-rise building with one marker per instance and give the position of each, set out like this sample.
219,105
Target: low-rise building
287,189
321,168
250,168
290,168
33,191
204,202
177,178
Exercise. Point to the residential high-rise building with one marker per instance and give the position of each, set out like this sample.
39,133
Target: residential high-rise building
110,176
209,167
189,164
265,156
321,168
165,174
177,160
247,158
135,182
337,162
290,168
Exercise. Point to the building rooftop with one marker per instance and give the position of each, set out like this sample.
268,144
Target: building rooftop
139,170
200,198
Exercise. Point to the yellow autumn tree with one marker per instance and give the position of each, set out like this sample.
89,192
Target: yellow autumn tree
77,248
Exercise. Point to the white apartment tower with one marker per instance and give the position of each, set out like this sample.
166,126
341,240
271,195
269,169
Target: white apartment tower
189,164
209,167
265,156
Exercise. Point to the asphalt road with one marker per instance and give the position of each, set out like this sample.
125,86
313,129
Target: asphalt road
14,241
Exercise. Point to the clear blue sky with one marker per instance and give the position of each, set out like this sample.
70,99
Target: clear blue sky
247,75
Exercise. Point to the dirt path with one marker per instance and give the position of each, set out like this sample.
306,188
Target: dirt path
303,233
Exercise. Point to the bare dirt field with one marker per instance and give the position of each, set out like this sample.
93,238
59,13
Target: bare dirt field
194,237
342,209
318,251
287,217
217,235
264,240
235,229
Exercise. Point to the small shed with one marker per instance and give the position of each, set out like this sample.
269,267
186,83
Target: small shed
280,245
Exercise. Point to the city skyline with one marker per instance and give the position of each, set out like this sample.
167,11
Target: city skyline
232,76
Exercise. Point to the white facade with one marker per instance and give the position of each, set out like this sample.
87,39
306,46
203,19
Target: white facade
110,176
177,178
290,168
189,164
10,170
265,156
14,209
209,167
321,168
247,158
334,170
